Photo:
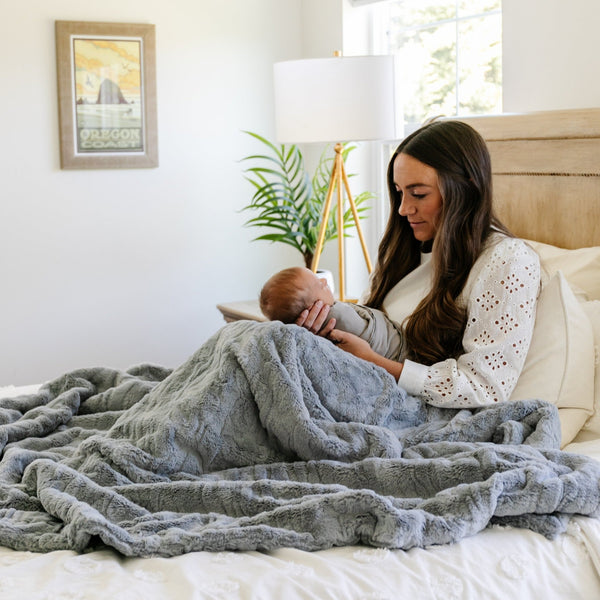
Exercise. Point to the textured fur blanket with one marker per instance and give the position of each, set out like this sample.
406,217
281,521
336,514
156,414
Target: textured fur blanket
269,436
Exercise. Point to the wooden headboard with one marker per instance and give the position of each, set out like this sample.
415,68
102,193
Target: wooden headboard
546,169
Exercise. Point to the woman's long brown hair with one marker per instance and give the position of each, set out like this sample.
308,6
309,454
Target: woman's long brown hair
461,159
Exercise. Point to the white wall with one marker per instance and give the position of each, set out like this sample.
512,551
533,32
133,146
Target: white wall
550,54
322,31
117,267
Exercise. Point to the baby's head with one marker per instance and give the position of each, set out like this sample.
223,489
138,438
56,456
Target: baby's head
289,292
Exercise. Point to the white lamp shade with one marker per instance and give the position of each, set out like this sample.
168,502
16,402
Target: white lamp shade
335,99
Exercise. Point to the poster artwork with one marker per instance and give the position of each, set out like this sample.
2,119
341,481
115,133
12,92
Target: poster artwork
108,92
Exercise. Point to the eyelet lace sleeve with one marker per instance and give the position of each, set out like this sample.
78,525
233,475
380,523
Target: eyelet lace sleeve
500,296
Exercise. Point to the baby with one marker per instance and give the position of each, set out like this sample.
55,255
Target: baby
287,293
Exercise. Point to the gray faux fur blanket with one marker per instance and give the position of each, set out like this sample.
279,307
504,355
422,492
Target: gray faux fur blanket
269,436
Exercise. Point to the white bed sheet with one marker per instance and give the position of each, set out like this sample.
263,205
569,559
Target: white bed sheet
498,563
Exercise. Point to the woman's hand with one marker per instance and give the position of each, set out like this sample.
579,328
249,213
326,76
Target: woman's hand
315,319
361,349
353,344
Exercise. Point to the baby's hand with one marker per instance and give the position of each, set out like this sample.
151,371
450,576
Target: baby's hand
315,319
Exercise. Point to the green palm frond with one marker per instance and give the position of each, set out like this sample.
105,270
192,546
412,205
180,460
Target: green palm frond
290,203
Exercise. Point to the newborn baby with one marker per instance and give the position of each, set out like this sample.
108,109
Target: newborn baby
287,293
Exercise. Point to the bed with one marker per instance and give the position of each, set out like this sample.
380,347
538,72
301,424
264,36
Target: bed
547,190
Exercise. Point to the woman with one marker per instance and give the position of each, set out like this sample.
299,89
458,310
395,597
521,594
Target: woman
464,289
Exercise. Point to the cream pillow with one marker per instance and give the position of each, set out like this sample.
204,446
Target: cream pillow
559,367
581,267
591,429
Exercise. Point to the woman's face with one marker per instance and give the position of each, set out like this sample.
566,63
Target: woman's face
421,198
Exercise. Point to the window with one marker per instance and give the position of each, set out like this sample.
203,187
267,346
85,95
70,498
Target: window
449,62
448,55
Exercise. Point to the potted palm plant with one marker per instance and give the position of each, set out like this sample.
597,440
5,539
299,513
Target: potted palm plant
290,203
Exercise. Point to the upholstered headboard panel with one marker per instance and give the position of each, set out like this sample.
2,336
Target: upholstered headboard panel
546,174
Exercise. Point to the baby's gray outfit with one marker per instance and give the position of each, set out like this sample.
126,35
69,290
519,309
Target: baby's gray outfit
372,325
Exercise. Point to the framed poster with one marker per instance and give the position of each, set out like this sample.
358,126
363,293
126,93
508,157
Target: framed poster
106,95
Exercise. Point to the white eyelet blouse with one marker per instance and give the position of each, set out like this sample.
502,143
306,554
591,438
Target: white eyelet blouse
500,296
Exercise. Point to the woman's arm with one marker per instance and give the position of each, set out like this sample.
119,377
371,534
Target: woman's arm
500,296
360,348
315,320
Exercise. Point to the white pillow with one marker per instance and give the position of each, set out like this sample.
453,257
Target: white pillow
581,266
591,429
559,367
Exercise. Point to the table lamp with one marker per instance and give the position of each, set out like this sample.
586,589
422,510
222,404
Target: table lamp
336,100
